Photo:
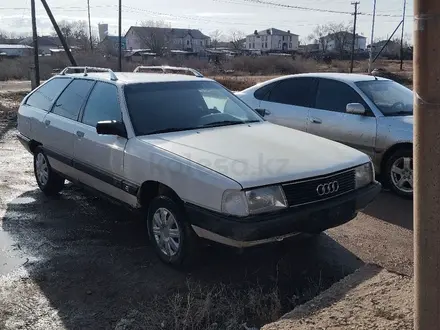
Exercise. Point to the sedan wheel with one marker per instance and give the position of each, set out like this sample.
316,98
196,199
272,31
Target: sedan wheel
400,172
170,232
166,232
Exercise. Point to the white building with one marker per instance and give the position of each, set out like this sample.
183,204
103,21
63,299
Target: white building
139,37
339,40
11,50
272,40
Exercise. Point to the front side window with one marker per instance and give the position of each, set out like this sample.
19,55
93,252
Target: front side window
295,91
180,106
334,96
71,100
390,97
43,97
102,104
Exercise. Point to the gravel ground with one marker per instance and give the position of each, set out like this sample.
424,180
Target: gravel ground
77,261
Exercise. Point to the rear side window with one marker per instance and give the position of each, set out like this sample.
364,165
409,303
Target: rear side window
71,100
102,104
294,91
335,95
263,92
43,97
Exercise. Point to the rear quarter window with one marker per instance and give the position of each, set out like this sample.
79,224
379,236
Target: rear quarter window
44,96
263,92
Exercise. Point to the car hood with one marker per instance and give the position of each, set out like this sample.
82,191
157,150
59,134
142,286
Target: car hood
259,154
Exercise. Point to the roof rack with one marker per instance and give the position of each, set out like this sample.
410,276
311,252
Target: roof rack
86,69
165,68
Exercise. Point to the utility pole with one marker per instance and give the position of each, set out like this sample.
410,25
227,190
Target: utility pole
90,26
426,164
353,42
59,33
36,71
370,62
120,37
401,38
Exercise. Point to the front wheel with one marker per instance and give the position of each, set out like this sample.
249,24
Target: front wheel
171,235
48,181
399,172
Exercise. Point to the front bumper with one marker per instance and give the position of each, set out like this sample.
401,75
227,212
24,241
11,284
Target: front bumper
266,228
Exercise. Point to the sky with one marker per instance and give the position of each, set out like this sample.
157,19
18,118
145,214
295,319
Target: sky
210,15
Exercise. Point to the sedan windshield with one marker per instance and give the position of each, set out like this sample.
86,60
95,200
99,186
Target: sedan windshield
178,106
392,99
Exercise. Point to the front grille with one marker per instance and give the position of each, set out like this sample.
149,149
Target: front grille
305,192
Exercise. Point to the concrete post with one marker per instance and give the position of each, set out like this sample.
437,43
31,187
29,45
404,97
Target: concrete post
427,164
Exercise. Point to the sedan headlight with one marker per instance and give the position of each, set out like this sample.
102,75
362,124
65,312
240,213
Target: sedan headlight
364,175
253,201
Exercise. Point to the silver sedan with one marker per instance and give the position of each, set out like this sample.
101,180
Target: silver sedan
372,114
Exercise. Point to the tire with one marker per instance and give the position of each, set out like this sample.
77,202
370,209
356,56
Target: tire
49,182
399,172
178,247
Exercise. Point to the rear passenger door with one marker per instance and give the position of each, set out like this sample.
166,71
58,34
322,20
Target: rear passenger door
37,105
329,119
99,158
289,101
61,123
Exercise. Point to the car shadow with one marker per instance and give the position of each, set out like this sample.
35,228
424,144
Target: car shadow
393,209
94,263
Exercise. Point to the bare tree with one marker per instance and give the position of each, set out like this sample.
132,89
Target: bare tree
157,37
319,37
215,37
339,35
342,36
75,33
238,38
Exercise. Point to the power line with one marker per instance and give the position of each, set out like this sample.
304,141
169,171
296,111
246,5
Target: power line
319,10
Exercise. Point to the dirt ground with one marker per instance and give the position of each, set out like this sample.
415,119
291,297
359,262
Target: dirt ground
371,298
79,262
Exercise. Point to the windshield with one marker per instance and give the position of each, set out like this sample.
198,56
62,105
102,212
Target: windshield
391,98
178,106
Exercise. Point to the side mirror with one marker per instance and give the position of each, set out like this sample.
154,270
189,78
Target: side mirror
355,108
111,127
263,112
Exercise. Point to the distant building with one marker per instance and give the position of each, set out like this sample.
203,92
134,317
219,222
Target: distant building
343,40
271,40
110,45
103,31
45,44
12,50
138,37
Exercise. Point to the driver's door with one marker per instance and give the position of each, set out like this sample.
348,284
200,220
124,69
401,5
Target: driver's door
99,158
329,118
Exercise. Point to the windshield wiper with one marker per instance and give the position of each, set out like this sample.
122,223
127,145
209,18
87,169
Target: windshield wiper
229,122
171,129
402,112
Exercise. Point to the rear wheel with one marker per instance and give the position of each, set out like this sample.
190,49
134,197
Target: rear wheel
48,181
399,172
170,233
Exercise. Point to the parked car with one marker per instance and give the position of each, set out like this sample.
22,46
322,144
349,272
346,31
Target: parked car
372,114
196,159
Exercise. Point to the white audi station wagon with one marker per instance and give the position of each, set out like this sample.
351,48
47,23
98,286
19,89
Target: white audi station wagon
199,162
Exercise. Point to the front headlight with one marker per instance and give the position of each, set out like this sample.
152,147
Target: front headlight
364,175
253,201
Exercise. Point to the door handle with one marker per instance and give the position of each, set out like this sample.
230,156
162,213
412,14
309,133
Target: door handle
315,120
80,134
47,122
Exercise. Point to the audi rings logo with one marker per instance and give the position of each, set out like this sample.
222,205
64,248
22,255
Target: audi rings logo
327,188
